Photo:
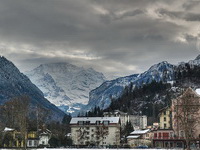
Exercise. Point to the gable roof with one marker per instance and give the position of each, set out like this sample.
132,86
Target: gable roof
6,129
94,119
137,132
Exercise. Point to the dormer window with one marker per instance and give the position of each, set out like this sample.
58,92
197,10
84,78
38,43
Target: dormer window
98,122
106,122
87,123
81,123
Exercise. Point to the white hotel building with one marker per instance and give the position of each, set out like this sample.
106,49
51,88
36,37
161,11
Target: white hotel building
95,131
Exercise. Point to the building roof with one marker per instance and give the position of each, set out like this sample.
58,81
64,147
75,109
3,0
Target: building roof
8,129
139,132
132,136
94,119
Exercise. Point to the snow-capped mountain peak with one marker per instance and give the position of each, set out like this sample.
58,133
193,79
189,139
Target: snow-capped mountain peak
65,84
198,57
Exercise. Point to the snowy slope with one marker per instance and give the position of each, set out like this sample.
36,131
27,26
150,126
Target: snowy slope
66,85
102,95
162,71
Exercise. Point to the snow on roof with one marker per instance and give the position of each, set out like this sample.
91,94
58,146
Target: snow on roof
132,136
94,119
8,129
197,91
140,131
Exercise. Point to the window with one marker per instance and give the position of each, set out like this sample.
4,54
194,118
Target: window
165,125
165,134
80,122
181,134
164,118
171,134
106,122
87,128
164,112
87,122
35,143
159,135
155,134
30,143
98,122
170,114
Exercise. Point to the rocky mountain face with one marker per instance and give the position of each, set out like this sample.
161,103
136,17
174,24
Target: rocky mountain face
66,85
13,83
185,74
102,95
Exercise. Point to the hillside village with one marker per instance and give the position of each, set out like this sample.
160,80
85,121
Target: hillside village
178,127
160,112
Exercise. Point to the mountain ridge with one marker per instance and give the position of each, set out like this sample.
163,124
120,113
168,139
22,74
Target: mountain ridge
161,72
13,83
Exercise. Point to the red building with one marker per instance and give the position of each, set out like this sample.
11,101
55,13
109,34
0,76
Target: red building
164,138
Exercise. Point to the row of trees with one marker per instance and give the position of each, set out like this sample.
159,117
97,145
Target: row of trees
146,97
95,112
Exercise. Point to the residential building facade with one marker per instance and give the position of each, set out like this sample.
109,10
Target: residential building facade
13,138
44,137
139,121
164,138
32,139
124,117
99,131
165,118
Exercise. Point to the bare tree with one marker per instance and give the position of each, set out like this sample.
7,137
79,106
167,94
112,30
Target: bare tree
102,131
16,113
81,135
186,116
21,105
42,115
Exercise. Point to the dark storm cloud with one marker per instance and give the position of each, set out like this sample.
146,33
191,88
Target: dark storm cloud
115,36
107,18
180,15
188,5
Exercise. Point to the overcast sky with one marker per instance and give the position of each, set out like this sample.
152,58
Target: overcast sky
115,37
